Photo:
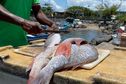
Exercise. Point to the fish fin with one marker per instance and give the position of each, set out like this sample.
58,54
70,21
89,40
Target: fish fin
30,80
52,40
74,67
78,65
64,49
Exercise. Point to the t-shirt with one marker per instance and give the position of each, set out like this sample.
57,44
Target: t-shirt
11,34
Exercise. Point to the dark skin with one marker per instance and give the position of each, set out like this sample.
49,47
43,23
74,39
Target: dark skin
29,26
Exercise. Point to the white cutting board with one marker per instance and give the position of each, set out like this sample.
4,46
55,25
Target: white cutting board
102,55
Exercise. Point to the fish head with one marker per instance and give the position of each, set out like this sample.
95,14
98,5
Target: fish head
52,40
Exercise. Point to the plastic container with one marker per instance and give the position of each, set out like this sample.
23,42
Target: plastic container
116,39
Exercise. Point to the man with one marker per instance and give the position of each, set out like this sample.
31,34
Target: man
14,17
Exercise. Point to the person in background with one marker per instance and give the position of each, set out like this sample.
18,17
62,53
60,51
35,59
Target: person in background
14,17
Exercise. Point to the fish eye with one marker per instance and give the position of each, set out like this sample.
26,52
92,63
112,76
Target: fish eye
83,42
73,42
56,44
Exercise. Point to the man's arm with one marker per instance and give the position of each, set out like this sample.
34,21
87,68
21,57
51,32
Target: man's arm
28,26
9,17
41,17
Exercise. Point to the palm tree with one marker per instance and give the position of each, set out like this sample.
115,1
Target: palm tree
106,11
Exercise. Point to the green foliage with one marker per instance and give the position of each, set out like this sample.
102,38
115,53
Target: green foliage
121,17
110,10
106,11
79,12
75,11
47,9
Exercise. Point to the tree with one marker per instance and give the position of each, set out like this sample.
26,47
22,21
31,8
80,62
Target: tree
78,12
75,11
105,11
121,17
47,9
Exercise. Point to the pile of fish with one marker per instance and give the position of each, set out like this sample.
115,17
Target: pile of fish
71,53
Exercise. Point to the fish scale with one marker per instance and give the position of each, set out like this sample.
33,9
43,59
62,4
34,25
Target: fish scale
79,55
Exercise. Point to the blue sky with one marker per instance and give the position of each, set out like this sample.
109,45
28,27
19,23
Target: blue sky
61,5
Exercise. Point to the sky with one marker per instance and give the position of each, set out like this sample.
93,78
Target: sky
61,5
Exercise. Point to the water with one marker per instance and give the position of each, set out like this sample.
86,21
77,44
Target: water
88,35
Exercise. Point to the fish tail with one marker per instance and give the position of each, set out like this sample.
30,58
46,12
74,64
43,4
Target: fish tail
30,80
30,66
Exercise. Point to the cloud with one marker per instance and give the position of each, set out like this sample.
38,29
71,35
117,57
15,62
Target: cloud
85,3
123,7
117,2
54,5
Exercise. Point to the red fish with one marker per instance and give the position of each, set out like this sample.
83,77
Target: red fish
72,52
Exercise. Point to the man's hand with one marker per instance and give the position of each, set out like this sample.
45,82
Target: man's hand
31,27
54,27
